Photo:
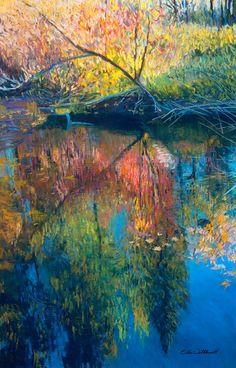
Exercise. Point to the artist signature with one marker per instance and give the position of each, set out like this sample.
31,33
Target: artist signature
199,351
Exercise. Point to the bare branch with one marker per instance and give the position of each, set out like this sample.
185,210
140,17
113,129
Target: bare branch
136,45
145,50
101,56
81,48
17,84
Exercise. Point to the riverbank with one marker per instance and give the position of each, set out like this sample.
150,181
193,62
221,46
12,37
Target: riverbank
190,62
191,75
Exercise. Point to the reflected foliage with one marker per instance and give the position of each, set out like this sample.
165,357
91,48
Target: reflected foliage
95,228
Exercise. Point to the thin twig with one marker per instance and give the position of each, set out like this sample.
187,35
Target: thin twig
85,50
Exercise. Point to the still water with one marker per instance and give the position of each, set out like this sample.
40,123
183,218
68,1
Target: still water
117,248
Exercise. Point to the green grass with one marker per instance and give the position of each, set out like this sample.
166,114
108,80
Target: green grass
203,77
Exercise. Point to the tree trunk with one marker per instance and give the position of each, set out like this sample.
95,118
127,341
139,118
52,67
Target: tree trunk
221,15
234,9
212,10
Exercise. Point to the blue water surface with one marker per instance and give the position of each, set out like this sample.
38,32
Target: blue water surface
209,322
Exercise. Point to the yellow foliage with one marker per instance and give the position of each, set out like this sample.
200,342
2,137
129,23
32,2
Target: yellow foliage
110,33
10,219
3,109
225,284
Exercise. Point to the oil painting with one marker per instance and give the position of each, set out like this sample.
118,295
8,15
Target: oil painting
117,183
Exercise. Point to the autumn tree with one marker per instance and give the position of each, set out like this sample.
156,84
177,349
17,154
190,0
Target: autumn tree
119,35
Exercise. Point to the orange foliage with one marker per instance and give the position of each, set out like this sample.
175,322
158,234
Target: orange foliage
123,31
74,163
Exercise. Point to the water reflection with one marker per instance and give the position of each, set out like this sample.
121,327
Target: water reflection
96,230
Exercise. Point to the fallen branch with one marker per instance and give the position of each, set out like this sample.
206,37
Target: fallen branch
17,85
